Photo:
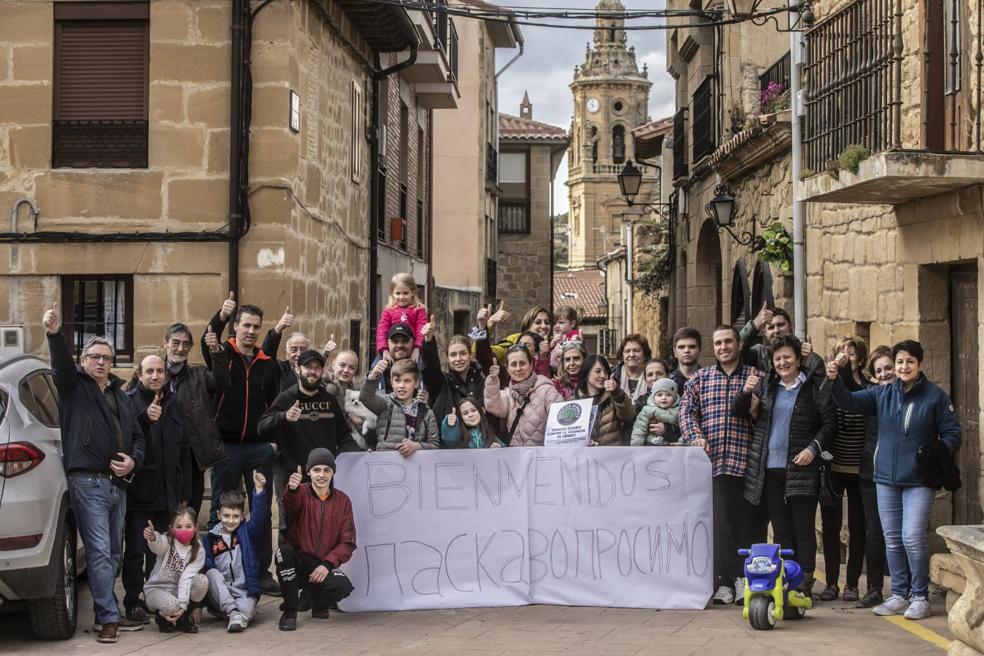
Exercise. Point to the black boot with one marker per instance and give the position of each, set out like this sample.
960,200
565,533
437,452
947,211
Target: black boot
186,623
320,613
163,625
304,602
288,621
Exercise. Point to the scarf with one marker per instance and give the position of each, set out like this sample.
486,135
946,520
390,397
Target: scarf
623,382
520,392
409,409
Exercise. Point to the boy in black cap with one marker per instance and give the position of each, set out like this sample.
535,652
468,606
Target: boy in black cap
303,418
320,538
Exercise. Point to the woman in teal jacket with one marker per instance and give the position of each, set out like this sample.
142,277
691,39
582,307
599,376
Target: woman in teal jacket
911,413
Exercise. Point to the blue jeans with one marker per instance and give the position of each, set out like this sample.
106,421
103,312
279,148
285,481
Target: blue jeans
904,513
99,510
236,470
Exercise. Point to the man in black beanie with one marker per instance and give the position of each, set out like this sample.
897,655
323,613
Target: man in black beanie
320,538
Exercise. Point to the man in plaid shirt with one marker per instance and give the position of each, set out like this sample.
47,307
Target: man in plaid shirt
706,421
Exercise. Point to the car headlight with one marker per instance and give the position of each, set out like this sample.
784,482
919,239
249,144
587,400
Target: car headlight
761,565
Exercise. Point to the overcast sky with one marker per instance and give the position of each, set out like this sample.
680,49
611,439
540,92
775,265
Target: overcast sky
547,68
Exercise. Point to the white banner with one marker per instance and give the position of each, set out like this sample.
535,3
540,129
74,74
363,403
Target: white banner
569,423
603,526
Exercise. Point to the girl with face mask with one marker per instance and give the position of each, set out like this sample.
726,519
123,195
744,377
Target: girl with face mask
177,586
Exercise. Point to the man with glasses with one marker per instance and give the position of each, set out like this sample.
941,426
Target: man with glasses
193,385
102,443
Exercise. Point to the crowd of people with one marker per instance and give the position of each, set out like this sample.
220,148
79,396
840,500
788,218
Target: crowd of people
785,431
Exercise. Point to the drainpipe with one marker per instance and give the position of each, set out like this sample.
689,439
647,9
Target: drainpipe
799,208
235,144
377,76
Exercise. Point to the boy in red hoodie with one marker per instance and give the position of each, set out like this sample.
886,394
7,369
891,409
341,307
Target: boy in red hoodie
320,538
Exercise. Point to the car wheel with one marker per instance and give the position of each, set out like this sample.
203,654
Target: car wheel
55,618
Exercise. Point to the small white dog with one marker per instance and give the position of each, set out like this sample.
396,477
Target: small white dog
353,406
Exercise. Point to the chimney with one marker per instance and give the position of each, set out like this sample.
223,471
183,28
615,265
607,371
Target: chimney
526,107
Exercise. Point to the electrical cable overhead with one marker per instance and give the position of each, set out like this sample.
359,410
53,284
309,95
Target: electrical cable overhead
533,16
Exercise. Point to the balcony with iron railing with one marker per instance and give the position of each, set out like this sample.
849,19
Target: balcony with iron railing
434,71
680,168
491,165
892,89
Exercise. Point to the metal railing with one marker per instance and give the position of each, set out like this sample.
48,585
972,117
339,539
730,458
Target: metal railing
514,217
452,51
703,119
420,228
403,214
491,164
440,19
680,169
853,82
99,144
777,73
490,277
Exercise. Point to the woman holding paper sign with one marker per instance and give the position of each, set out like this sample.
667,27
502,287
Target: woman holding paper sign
613,408
526,400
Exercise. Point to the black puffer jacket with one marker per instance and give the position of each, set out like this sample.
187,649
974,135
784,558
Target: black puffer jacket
446,389
812,426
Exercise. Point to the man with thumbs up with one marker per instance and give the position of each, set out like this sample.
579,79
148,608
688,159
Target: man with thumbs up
773,322
102,444
303,418
254,386
193,385
162,483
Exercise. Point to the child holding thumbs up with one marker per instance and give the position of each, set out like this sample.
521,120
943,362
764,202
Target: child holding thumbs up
320,539
231,562
176,587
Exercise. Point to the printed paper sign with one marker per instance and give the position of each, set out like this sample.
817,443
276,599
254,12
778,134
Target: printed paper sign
568,423
601,526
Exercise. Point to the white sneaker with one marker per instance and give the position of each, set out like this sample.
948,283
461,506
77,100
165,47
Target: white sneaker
724,595
740,591
891,606
236,623
919,609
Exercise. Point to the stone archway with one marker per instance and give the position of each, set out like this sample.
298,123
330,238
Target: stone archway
707,297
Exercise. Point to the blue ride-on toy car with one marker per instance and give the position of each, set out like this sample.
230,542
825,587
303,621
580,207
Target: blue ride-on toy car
771,584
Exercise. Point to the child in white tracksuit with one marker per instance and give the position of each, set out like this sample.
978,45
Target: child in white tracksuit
176,585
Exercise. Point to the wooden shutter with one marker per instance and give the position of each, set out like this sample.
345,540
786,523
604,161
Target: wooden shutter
100,106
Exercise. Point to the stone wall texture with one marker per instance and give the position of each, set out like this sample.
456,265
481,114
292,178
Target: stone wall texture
308,245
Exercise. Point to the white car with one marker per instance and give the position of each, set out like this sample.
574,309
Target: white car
40,552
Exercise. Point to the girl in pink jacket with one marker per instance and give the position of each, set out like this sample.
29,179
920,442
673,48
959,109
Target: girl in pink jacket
403,307
525,403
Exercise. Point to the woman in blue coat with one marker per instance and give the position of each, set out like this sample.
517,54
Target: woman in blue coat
911,413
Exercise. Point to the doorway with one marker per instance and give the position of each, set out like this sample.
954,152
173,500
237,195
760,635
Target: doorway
964,389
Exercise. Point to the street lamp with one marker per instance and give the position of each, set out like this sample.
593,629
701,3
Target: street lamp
629,181
743,8
721,210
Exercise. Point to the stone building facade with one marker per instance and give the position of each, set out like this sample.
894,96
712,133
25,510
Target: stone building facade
611,98
309,236
891,178
722,133
466,159
895,240
530,153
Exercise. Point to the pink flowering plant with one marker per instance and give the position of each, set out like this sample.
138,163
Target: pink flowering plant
773,98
